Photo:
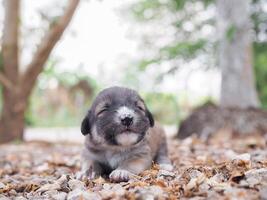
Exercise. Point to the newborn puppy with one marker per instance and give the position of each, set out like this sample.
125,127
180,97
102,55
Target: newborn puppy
121,137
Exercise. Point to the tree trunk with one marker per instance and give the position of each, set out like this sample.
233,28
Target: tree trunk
17,87
12,119
235,54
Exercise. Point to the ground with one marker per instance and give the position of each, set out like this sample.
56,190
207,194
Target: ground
225,167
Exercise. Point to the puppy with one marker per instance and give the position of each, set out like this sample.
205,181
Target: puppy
121,138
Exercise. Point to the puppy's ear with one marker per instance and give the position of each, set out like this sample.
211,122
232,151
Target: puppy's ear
85,126
150,117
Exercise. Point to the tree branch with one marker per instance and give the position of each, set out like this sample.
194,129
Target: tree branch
36,66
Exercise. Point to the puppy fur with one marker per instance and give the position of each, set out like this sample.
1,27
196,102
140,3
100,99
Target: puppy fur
121,138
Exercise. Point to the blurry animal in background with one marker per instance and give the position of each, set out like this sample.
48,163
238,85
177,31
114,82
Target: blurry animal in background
209,119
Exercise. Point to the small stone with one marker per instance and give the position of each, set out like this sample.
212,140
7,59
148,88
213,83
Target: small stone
79,194
194,182
165,173
107,194
167,167
119,190
60,184
75,194
195,173
244,157
47,187
20,198
25,164
3,197
13,192
42,167
91,196
51,192
256,176
263,193
60,196
2,185
76,184
107,186
150,193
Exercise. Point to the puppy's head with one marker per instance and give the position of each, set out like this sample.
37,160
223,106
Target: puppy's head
118,116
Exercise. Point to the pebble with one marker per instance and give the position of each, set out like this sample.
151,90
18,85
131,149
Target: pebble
85,195
2,197
2,185
76,184
165,173
59,184
263,193
256,176
75,194
150,193
20,198
119,190
59,196
107,186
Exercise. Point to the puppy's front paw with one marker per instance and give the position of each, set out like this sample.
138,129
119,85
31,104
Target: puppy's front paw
120,175
167,167
86,174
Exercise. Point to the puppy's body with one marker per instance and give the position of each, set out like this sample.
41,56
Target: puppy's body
127,152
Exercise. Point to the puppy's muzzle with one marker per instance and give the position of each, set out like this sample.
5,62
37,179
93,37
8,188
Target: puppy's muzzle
127,120
126,116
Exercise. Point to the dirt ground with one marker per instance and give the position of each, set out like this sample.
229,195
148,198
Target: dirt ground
225,167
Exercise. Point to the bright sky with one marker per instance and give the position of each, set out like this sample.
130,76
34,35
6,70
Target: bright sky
98,40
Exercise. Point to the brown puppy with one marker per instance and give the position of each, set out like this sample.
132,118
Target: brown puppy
121,137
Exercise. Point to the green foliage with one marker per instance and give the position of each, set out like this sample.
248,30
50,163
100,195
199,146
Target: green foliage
1,61
186,49
163,106
260,62
67,78
189,44
230,33
175,15
60,107
144,10
259,17
142,65
140,9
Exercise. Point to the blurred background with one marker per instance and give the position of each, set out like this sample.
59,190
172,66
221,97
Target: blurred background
55,56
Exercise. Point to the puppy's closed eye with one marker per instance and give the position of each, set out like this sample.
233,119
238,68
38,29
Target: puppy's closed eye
101,109
140,106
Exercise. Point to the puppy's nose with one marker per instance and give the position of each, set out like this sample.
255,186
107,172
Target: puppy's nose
127,121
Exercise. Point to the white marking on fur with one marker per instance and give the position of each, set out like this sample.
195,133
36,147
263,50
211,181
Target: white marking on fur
127,139
115,158
125,111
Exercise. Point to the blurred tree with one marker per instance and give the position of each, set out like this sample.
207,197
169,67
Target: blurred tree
186,30
235,54
175,32
60,98
18,86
